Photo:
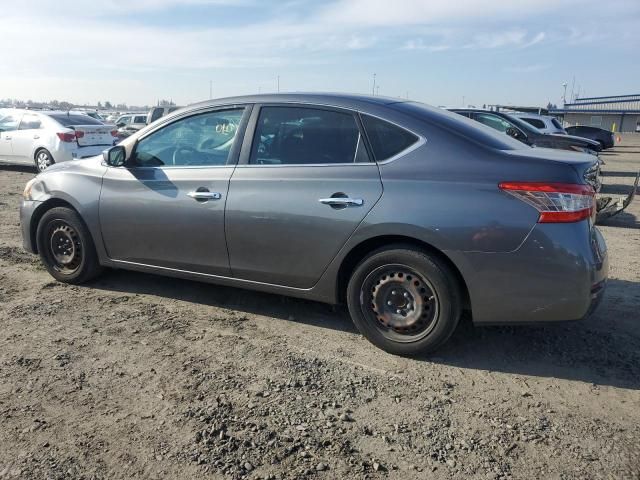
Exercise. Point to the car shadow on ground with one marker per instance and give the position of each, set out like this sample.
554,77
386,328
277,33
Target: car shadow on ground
621,220
613,173
603,350
248,301
18,168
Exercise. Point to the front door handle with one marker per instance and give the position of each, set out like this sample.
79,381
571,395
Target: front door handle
7,138
35,137
205,195
342,201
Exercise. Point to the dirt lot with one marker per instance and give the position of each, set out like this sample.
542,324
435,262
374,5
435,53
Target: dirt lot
138,376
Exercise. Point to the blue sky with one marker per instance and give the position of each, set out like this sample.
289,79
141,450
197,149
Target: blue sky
439,52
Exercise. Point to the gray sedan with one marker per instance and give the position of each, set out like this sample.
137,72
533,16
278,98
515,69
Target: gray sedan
409,215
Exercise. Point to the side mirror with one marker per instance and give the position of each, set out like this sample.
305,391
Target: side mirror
120,124
115,156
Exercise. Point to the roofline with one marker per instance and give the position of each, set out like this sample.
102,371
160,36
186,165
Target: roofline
610,96
602,112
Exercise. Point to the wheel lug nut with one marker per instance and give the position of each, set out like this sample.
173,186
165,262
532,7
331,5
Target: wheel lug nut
398,311
406,294
389,303
393,292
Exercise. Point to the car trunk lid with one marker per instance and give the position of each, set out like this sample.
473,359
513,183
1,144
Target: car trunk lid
89,135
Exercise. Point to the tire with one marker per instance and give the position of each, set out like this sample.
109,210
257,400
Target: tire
43,159
404,300
66,247
602,145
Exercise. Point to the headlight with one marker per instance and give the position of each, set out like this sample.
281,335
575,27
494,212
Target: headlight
27,189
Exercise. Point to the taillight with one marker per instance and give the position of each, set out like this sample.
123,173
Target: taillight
79,134
66,136
556,202
114,133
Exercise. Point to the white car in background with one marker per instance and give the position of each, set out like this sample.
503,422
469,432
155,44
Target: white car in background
29,137
541,122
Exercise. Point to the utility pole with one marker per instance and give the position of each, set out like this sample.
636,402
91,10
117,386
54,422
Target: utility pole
378,90
564,95
573,84
210,89
278,83
373,90
463,101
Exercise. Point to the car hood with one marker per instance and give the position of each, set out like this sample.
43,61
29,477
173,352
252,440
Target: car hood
84,165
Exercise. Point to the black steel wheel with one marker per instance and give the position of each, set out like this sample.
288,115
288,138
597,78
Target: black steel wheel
404,300
65,246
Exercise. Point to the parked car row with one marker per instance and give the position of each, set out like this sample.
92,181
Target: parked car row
523,127
407,214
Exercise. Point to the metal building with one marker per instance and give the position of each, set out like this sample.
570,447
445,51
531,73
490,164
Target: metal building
620,113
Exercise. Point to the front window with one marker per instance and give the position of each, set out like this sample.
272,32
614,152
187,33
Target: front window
494,122
200,140
306,136
9,122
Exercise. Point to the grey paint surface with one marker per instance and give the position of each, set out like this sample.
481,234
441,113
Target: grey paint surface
278,238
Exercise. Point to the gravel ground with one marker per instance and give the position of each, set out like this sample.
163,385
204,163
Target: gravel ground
139,376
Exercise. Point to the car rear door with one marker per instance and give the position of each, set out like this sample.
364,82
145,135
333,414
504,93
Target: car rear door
303,184
166,208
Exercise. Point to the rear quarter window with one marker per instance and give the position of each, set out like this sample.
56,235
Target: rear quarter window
387,139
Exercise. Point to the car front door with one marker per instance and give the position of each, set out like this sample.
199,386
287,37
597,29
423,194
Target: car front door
23,140
166,207
9,123
301,188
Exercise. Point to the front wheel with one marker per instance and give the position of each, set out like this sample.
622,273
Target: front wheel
66,247
403,300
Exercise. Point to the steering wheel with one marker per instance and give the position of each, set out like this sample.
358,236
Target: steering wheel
182,148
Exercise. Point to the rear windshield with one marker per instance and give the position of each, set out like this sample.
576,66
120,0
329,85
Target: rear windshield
452,121
74,119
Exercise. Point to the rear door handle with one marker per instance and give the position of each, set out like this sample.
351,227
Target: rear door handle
205,195
342,201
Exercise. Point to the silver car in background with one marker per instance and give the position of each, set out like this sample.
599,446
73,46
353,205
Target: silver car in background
43,137
409,215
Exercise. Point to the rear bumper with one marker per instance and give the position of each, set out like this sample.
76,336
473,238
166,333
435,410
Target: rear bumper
559,273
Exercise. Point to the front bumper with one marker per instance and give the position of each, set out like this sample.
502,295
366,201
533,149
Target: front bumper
27,209
559,273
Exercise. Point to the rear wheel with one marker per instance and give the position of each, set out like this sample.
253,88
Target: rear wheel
404,300
43,159
66,247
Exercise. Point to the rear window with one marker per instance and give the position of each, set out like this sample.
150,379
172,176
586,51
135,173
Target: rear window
74,119
387,140
535,122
